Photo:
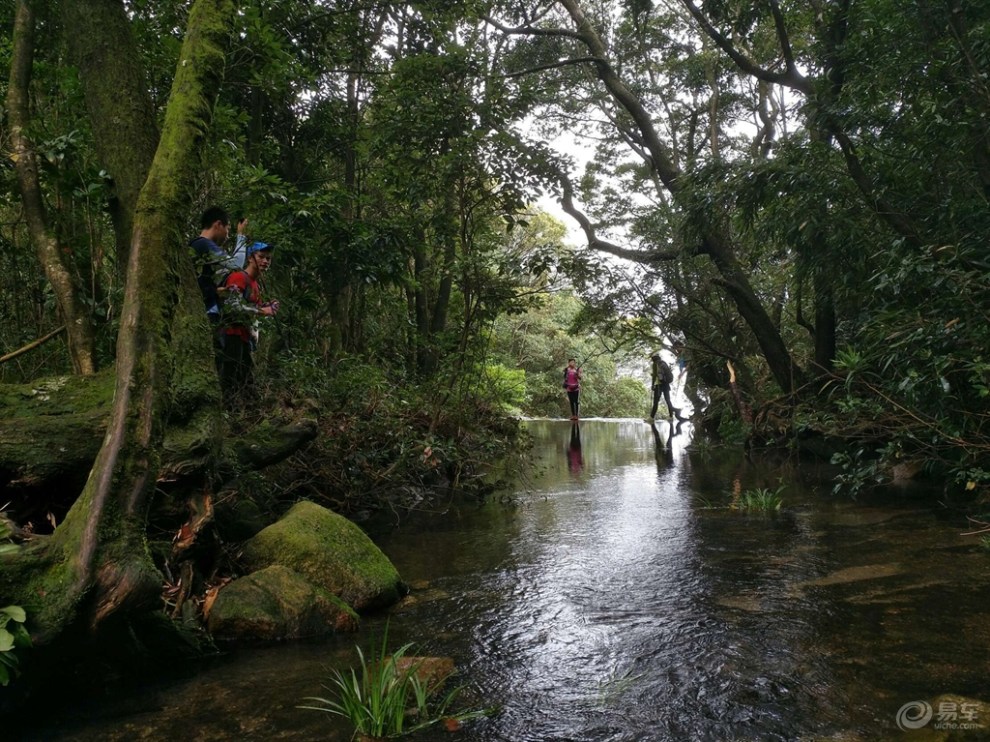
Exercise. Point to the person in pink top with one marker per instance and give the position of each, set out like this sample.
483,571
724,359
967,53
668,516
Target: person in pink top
572,383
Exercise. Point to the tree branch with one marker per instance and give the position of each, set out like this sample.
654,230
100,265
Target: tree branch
785,41
31,346
898,221
550,66
532,30
597,243
791,77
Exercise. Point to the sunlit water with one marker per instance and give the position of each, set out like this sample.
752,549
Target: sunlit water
614,596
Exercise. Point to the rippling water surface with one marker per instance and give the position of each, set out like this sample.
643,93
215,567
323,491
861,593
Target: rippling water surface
615,596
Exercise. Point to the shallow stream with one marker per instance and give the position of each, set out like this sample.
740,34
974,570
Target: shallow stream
615,596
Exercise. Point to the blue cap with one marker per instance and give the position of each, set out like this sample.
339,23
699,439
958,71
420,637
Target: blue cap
258,247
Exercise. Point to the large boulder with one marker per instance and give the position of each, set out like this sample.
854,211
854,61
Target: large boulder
329,551
276,603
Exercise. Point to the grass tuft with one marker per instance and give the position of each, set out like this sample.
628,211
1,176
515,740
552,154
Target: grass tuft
385,699
761,499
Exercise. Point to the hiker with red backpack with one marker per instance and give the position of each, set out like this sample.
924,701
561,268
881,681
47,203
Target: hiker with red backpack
242,308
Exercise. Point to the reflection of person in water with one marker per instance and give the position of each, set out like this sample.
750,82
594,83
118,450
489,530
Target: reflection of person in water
663,450
574,460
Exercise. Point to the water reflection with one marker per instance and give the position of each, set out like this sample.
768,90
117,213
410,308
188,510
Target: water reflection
575,461
663,448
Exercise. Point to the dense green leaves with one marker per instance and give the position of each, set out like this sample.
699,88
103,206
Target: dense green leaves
390,150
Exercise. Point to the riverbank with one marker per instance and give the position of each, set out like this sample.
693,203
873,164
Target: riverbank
376,446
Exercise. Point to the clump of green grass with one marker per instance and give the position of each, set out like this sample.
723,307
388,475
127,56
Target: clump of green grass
985,543
384,698
761,499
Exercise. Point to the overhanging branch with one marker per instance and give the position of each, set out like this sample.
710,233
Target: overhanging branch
597,243
785,41
550,66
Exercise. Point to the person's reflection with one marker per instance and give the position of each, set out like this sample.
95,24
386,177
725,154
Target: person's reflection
574,460
663,450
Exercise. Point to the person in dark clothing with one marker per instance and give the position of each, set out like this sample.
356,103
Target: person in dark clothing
661,378
572,383
212,260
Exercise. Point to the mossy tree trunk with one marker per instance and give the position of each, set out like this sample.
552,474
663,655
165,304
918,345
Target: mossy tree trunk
78,323
99,36
98,561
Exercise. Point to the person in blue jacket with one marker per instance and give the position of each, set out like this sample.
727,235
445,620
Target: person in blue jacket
212,260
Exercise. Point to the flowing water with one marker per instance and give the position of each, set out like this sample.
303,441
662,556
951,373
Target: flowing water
615,596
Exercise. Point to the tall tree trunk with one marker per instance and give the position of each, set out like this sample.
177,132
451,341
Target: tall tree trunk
100,550
441,306
424,359
825,324
79,327
121,112
767,334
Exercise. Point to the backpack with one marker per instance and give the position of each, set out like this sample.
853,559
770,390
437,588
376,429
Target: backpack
666,375
577,383
222,285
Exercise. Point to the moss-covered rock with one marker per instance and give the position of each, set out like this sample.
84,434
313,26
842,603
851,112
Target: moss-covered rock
276,603
238,518
331,552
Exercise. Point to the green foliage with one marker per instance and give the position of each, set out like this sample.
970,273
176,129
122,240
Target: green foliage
6,531
623,397
386,441
384,699
914,383
13,636
505,386
13,633
539,342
